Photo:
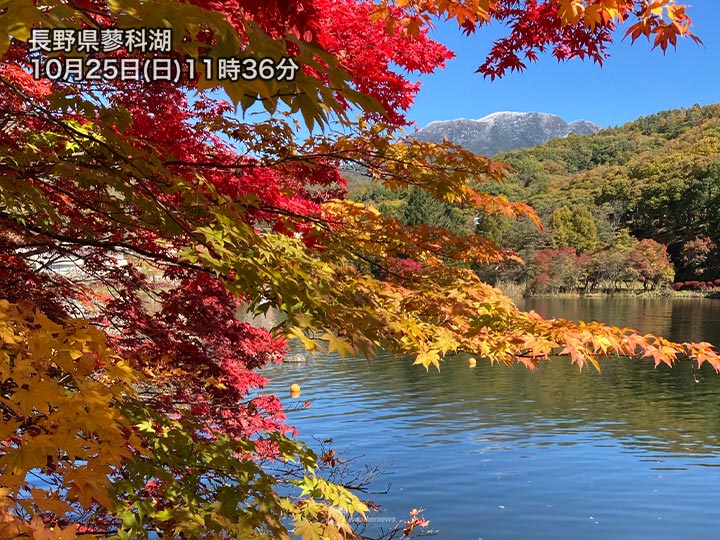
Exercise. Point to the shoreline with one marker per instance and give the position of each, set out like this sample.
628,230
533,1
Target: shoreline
515,292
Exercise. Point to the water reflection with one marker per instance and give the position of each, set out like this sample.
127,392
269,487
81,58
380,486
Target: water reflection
497,452
684,319
657,409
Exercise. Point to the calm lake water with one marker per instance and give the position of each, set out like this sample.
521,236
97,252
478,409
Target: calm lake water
504,453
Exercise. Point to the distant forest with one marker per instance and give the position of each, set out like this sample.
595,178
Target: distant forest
636,205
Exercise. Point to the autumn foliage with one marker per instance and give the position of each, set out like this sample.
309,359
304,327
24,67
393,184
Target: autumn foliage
126,382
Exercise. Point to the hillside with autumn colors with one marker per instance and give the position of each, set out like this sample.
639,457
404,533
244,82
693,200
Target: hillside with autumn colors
187,158
623,194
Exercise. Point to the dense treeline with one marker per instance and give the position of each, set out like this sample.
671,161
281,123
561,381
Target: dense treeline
635,205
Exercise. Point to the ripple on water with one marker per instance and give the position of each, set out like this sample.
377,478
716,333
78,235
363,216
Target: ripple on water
500,453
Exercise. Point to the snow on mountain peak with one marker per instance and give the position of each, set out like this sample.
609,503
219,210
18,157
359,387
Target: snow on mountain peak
503,130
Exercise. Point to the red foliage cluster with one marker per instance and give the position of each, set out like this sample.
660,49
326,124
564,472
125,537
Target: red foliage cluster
694,285
402,267
346,29
559,270
190,334
536,27
347,32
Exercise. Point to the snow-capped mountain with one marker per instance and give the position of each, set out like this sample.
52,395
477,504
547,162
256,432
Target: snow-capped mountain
501,131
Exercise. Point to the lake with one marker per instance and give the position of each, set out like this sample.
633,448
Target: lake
503,453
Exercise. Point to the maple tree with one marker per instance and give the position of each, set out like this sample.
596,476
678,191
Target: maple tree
126,383
649,263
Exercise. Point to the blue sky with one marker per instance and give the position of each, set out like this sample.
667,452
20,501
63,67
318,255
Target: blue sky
635,81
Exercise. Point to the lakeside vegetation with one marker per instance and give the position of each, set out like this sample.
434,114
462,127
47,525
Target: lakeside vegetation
630,207
137,408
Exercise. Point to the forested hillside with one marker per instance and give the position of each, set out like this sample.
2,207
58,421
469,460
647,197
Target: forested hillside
655,180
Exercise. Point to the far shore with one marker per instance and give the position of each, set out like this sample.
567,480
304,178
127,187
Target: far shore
517,291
